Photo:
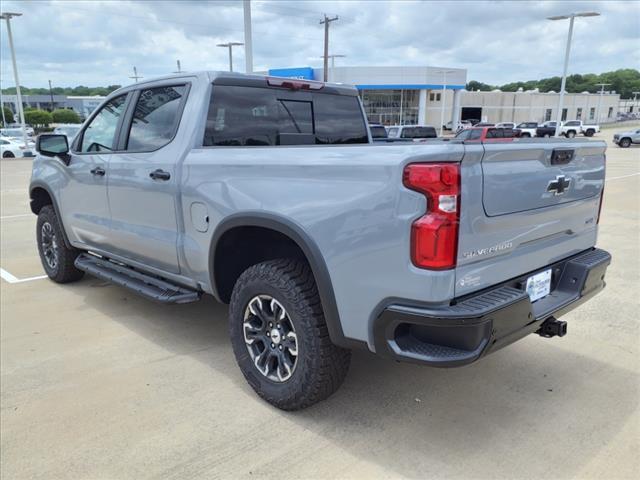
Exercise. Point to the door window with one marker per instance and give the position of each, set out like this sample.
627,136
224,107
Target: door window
100,134
156,118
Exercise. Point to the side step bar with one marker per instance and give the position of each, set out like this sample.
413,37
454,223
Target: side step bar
148,286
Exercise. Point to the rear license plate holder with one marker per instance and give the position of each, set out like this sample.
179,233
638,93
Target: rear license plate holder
539,285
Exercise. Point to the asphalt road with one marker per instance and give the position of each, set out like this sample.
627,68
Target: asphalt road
97,383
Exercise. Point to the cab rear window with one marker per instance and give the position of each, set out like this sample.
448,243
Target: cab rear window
255,116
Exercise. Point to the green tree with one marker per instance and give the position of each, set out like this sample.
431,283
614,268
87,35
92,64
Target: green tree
37,118
64,115
474,85
8,114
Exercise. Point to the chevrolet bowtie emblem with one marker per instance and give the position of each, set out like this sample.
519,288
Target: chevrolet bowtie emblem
559,185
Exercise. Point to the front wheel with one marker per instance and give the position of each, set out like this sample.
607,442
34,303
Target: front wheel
526,135
570,134
589,133
57,259
625,143
280,338
546,135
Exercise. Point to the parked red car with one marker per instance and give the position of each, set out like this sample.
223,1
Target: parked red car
481,134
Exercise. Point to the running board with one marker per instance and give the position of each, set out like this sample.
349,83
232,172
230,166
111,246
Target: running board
148,286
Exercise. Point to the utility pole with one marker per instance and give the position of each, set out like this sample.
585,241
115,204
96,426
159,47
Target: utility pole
248,42
230,46
7,16
326,23
601,85
51,95
179,67
135,76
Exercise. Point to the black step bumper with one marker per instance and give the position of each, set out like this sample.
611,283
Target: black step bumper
476,325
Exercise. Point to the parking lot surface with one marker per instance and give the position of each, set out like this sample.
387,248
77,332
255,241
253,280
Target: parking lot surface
98,383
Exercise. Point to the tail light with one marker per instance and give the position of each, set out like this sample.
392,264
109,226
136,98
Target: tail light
434,236
602,191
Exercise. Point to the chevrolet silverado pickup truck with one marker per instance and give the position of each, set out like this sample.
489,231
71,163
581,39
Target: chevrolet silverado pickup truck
575,127
268,194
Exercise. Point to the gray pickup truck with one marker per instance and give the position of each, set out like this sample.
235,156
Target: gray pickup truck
268,194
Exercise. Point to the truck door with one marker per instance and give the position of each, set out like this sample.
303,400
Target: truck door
83,197
143,183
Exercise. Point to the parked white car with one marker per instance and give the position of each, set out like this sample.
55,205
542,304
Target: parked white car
573,127
412,132
10,148
527,129
69,130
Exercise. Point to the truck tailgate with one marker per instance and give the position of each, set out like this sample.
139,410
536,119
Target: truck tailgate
524,206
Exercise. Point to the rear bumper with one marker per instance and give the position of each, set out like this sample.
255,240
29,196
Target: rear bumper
481,323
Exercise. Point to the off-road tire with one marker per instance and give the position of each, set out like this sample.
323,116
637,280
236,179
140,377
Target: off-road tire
64,270
320,366
8,155
624,143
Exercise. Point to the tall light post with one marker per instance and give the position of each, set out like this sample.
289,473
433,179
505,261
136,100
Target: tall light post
601,85
230,46
571,17
444,96
7,16
635,98
248,41
333,64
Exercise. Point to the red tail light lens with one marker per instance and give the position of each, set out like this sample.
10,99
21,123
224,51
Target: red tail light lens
294,84
434,236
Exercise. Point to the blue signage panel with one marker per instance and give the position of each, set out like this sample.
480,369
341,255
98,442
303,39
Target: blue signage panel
303,73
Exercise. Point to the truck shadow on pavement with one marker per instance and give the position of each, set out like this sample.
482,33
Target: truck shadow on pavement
535,409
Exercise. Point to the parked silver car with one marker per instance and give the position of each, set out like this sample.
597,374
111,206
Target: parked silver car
626,139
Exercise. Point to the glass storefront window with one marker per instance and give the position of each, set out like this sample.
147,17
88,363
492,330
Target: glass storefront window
391,107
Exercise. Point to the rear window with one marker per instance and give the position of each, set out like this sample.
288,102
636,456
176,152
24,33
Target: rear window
378,132
419,132
255,116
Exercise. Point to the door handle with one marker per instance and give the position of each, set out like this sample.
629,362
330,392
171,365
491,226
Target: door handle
99,171
160,175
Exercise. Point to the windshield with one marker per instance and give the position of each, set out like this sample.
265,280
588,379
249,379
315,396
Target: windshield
11,132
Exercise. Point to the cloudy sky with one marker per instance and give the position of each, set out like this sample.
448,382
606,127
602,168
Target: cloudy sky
98,42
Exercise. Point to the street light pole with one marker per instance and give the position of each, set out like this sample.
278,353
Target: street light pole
601,85
51,95
248,38
333,64
571,17
230,46
7,16
444,94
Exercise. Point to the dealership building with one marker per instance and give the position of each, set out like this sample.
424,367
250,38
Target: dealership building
425,95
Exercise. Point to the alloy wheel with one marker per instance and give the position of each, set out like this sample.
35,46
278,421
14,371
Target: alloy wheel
49,244
270,338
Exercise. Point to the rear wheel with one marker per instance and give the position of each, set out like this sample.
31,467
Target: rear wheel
8,154
625,142
280,338
57,259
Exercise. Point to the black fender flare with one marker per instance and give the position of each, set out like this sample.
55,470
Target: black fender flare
38,184
312,253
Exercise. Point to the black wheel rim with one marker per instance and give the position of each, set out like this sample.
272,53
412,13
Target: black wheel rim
270,338
49,245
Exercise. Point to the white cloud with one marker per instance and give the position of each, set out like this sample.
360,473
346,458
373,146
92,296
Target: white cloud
98,42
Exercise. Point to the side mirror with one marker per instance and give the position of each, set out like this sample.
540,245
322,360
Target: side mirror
51,145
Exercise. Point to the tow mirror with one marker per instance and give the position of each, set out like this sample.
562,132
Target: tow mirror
51,145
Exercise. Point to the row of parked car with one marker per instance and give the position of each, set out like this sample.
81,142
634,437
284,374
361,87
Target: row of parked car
12,143
476,130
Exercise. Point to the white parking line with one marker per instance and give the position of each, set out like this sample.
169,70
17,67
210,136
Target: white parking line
9,217
623,176
9,278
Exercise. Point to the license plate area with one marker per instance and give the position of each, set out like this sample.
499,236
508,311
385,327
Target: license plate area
539,285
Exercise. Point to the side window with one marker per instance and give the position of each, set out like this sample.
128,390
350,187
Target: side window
99,136
508,133
475,134
408,133
494,133
464,135
155,118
